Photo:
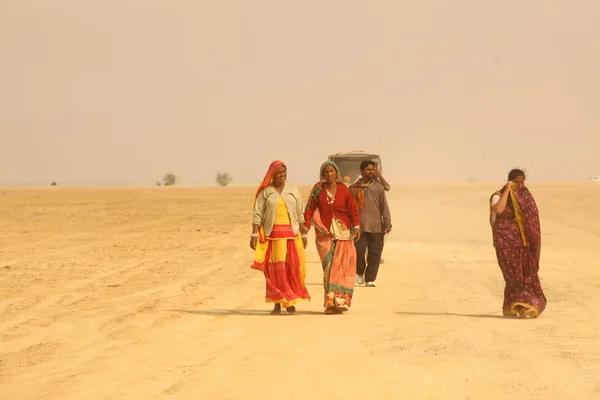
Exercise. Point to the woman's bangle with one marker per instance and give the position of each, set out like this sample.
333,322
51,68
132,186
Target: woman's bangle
254,235
304,236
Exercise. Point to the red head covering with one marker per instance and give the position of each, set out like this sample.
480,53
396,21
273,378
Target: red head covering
275,165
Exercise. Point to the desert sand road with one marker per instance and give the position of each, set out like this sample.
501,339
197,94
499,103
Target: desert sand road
147,293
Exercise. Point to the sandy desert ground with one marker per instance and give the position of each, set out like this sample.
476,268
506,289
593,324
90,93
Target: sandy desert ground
147,293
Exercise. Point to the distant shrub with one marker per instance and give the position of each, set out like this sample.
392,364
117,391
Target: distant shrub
224,178
169,179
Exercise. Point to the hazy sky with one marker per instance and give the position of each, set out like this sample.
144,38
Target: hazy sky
116,91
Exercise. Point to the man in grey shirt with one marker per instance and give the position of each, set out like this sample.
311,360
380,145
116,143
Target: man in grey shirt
375,222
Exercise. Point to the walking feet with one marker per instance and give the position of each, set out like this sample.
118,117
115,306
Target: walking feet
360,279
277,309
292,310
520,312
527,314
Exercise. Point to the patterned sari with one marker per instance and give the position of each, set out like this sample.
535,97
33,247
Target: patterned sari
335,245
338,259
517,240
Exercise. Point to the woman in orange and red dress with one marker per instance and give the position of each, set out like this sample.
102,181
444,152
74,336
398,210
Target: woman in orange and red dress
277,241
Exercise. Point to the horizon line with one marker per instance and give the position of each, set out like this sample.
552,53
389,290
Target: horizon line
404,183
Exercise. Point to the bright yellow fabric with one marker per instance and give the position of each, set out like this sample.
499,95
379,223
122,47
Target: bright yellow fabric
518,217
281,213
279,246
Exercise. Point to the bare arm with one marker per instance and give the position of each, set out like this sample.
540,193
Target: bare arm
495,198
500,206
386,186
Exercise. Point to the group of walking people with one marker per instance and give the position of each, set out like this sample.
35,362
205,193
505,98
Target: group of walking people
350,226
349,222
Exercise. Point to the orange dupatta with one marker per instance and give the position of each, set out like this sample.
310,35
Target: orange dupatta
268,179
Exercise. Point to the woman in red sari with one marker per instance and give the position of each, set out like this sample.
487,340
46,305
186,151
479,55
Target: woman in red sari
333,212
515,224
276,239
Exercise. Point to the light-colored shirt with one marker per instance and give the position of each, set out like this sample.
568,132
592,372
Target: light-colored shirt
266,206
494,201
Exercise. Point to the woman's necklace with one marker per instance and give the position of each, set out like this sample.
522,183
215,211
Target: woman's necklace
330,196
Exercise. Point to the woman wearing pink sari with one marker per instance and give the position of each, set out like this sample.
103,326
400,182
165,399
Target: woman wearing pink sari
333,212
515,224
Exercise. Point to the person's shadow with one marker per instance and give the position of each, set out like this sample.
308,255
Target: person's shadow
252,313
266,313
434,314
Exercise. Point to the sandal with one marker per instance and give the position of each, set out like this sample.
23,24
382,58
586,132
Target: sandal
529,313
291,309
276,310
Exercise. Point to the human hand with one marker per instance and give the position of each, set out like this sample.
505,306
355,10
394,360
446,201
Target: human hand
304,229
305,242
387,230
253,242
356,231
509,185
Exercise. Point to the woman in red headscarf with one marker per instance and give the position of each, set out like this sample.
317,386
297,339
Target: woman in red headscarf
515,224
277,241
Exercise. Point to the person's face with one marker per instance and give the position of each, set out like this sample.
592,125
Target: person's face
329,174
368,172
519,181
280,176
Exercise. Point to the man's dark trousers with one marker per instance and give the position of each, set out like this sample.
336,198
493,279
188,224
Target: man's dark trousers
374,243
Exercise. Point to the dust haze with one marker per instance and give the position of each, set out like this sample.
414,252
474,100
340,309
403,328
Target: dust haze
118,92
